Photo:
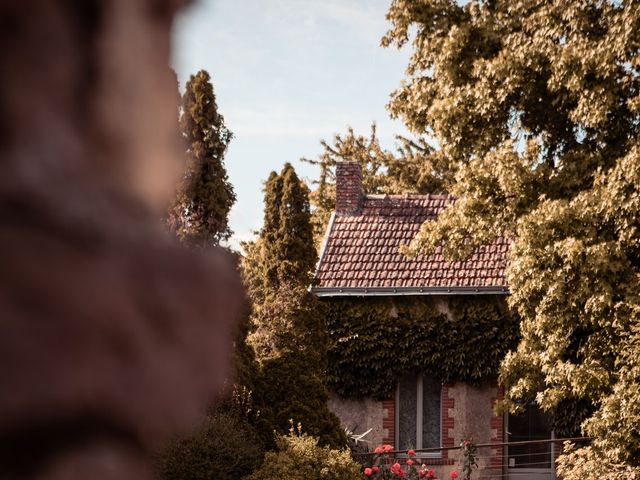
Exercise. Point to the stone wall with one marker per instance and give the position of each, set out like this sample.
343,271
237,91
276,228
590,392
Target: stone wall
359,416
474,419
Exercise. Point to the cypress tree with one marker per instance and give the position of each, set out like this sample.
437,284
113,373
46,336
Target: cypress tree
294,255
199,213
288,335
284,252
271,231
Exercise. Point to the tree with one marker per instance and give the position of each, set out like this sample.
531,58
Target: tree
283,252
535,106
199,213
415,167
289,337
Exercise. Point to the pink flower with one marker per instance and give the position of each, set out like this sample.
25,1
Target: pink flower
409,462
422,473
368,472
411,452
454,474
396,469
432,474
379,449
375,469
387,448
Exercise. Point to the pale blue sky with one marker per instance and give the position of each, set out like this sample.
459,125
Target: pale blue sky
288,73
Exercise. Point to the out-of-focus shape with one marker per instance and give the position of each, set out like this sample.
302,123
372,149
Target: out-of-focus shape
112,336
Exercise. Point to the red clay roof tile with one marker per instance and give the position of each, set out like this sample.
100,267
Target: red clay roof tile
362,250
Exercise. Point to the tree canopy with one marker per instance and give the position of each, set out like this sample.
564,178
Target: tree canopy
199,213
535,106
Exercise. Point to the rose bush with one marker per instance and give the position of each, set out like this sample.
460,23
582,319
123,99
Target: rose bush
386,467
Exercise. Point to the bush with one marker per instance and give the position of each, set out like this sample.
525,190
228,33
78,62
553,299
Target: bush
291,389
300,457
226,447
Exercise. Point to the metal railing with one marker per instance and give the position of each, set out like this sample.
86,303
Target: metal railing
518,460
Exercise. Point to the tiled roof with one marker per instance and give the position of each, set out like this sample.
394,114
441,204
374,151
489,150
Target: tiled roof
361,251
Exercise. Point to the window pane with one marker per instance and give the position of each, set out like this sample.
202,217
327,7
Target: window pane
407,406
430,413
533,424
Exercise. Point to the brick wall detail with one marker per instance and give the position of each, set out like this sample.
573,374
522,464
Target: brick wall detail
389,420
349,195
448,419
497,430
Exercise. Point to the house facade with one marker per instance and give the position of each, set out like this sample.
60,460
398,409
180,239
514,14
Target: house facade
360,262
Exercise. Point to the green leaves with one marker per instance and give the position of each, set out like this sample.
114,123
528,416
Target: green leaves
300,457
535,107
371,344
283,253
199,213
288,335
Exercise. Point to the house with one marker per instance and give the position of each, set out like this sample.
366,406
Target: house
360,259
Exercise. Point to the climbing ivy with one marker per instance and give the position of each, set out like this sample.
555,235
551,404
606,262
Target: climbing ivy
374,341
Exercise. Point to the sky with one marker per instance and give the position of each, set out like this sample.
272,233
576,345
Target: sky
288,73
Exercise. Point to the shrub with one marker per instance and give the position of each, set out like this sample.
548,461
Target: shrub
291,389
226,447
300,457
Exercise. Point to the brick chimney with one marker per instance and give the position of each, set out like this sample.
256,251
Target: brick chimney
348,188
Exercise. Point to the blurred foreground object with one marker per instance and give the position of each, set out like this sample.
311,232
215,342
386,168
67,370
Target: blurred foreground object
112,337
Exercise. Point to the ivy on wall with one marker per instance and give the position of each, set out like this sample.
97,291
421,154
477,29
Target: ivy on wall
375,341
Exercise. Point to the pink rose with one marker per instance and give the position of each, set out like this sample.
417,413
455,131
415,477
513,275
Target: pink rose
432,474
387,448
454,474
409,462
379,450
375,469
422,473
368,472
411,452
396,469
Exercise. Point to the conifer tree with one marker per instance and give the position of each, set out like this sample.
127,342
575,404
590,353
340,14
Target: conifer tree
199,213
292,252
536,107
283,253
288,335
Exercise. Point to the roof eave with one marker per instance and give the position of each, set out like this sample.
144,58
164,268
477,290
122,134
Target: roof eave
323,248
398,291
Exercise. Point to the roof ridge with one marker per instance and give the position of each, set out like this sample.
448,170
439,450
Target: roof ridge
430,196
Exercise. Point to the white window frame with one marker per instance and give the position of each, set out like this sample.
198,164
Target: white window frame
419,401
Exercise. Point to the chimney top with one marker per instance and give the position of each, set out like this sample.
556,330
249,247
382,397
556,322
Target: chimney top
348,188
